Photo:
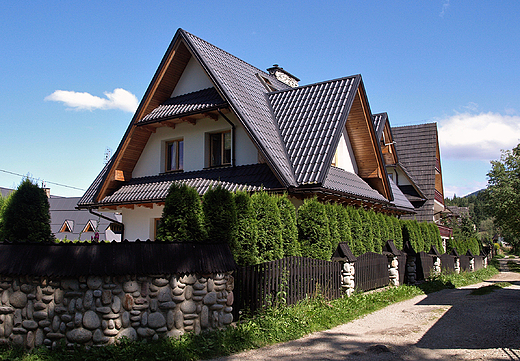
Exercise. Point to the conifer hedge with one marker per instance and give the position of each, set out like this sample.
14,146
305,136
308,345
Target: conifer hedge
267,214
313,230
245,244
291,245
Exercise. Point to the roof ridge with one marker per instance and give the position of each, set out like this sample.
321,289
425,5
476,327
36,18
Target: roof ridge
303,87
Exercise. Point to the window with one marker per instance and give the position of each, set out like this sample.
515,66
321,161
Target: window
174,155
220,149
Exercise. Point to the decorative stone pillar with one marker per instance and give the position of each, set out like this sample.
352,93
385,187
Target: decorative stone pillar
457,265
436,266
411,269
484,262
347,278
472,264
393,271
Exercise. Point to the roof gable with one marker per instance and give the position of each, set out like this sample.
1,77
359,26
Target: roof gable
235,81
311,119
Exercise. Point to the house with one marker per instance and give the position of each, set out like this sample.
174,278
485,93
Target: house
70,223
210,118
417,172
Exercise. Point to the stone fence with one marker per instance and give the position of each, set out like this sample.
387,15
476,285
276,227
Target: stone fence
98,309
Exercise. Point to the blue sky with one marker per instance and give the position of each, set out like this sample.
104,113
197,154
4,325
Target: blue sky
72,71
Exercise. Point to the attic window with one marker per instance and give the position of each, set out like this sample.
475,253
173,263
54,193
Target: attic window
66,227
174,155
266,83
89,227
220,149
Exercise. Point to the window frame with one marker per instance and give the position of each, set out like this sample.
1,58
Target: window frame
222,156
179,155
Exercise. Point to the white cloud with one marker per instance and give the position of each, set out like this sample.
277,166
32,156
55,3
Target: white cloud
445,7
118,99
478,136
461,190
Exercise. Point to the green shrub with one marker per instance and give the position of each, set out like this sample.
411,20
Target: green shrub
356,227
182,218
313,230
244,246
385,232
291,245
332,214
26,216
220,214
267,214
344,225
367,229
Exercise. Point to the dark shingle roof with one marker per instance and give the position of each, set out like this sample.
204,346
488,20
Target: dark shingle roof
310,120
238,81
253,177
400,200
416,147
183,105
350,183
115,258
379,123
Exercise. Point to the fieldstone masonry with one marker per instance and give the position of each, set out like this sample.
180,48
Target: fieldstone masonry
436,265
393,271
347,278
411,269
95,310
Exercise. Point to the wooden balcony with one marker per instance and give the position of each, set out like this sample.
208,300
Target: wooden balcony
446,232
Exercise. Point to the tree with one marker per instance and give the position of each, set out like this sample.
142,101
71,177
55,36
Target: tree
26,215
244,246
182,218
267,214
220,214
291,245
503,195
314,230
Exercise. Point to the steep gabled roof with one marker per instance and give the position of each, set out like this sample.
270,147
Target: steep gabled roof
311,119
417,146
296,130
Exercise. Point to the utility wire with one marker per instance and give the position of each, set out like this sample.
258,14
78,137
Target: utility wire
56,184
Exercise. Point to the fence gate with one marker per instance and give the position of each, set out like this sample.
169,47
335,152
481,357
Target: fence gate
424,264
371,271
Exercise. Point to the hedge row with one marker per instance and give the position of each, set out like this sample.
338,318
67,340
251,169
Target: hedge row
463,245
263,227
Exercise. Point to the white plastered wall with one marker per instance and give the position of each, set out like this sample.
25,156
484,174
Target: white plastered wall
345,154
140,222
192,79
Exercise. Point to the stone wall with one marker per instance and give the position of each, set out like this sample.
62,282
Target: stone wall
347,278
94,310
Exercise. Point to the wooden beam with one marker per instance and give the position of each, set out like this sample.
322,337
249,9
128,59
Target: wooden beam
146,205
189,120
212,115
128,206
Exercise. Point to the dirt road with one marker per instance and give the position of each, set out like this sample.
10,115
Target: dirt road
446,325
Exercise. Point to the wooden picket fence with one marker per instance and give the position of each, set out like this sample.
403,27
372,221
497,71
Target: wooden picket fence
287,280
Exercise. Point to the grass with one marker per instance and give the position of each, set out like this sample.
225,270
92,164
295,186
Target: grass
273,325
513,266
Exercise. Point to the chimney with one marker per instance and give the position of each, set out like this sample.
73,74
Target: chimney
283,76
47,192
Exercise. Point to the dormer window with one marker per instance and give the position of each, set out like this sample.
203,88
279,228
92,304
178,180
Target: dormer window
266,83
174,155
220,148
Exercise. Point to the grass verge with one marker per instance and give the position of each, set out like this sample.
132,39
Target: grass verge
272,326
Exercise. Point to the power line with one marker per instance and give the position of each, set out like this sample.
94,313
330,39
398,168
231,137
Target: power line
56,184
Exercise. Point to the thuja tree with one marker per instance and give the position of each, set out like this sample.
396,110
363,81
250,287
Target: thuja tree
267,214
384,231
358,245
313,230
344,225
220,214
26,216
367,232
244,245
182,218
332,214
376,230
291,245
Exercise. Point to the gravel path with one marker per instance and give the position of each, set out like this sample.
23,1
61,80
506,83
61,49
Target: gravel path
446,325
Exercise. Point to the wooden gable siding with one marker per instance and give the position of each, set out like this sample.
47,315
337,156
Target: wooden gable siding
439,187
387,146
365,145
161,87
